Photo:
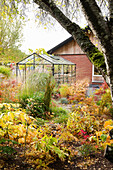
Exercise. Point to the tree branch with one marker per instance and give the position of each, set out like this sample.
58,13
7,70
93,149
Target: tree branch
111,11
97,22
94,55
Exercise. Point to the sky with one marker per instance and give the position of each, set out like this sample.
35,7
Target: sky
35,37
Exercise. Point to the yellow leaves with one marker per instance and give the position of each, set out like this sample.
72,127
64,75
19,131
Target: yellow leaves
67,136
99,133
21,140
2,132
109,127
108,142
15,125
11,115
108,124
111,141
103,137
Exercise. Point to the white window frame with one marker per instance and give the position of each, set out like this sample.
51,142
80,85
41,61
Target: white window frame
93,75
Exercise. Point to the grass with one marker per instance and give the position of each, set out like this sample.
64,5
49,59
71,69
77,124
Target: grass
60,114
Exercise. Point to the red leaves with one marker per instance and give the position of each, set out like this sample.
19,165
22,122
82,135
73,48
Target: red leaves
8,91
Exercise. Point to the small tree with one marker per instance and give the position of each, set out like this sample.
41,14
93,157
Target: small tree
48,92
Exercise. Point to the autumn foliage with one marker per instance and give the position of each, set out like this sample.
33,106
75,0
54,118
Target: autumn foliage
84,131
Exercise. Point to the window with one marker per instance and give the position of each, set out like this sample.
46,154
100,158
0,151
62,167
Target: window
96,77
96,72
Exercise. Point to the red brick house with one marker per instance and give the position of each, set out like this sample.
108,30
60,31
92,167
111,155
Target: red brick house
70,50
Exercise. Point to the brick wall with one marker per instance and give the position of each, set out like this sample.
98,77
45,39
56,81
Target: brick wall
83,66
72,52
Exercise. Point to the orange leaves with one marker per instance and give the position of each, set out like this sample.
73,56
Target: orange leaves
99,133
108,139
21,140
67,136
108,124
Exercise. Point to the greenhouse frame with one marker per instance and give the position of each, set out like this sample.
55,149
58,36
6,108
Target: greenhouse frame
64,71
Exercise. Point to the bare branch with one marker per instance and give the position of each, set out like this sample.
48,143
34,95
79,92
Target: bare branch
78,34
95,17
111,11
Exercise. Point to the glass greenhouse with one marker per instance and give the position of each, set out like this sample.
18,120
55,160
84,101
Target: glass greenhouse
62,69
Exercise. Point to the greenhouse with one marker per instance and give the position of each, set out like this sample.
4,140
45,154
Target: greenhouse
63,70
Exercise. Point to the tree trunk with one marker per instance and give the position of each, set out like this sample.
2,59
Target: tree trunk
103,29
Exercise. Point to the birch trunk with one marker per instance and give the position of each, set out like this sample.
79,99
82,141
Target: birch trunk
102,28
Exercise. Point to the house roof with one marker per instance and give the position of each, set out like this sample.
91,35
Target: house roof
60,45
86,29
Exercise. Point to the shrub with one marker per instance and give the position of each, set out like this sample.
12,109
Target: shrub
87,149
63,118
79,91
102,97
8,91
64,90
80,119
35,82
35,105
5,71
37,99
58,111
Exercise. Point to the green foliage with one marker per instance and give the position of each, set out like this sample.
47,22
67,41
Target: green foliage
58,111
60,114
97,57
44,141
87,149
7,150
11,32
64,90
111,111
49,143
36,82
103,99
36,94
62,118
106,100
35,106
38,51
11,55
5,71
103,137
40,121
4,149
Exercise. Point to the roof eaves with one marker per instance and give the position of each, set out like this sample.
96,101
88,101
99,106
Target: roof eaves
59,45
86,29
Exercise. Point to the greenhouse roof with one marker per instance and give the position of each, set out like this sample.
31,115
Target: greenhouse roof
47,59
